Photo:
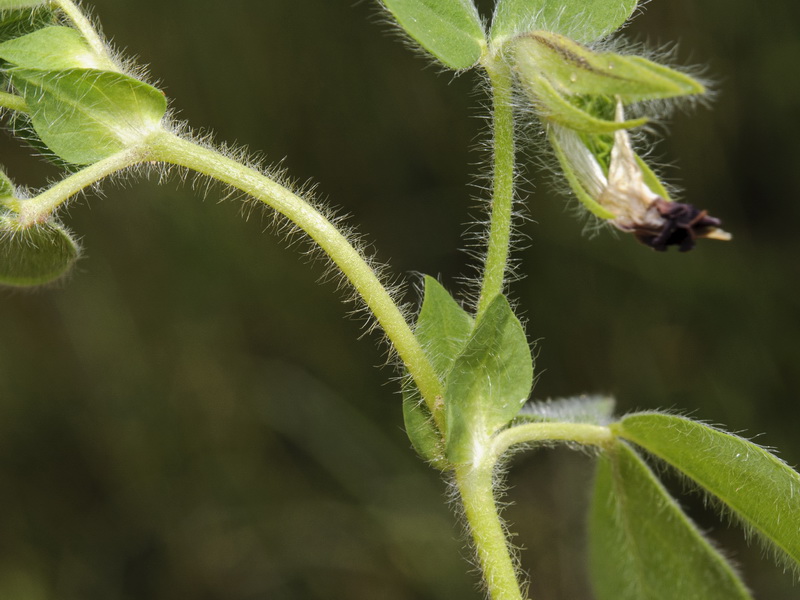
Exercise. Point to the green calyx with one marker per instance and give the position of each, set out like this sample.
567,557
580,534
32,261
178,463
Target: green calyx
564,78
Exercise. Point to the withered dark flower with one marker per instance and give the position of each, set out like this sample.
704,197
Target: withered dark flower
628,195
682,225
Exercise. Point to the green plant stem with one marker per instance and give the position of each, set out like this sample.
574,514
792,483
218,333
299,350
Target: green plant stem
496,263
474,483
488,534
39,208
172,149
580,433
82,24
13,102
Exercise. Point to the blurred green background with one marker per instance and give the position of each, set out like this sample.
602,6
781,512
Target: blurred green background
193,414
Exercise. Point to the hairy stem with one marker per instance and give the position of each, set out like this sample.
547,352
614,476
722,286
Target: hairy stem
497,250
580,433
475,486
13,102
39,208
82,24
488,534
172,149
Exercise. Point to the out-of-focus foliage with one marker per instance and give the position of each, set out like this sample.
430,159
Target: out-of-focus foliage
191,414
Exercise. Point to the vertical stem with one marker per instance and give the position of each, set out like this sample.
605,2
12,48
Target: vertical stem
494,555
172,149
499,240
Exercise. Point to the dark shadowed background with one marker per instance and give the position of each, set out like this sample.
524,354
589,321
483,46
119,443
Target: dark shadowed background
193,415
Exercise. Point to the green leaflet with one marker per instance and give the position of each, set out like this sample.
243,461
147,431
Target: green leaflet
10,4
34,256
15,23
421,429
52,48
85,115
443,328
582,20
574,70
488,383
451,30
643,546
759,488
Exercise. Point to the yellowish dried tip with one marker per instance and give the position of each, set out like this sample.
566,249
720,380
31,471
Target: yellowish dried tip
718,234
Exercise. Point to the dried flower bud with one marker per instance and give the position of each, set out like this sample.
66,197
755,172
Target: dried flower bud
627,193
580,96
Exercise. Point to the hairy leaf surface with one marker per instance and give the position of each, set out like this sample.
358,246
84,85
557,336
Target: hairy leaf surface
582,20
643,546
757,486
36,255
85,115
452,31
489,382
51,48
443,328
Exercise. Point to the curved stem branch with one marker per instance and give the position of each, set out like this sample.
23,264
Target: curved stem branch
39,208
499,241
172,149
13,102
580,433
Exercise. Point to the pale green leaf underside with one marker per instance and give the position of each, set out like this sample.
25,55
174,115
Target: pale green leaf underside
581,20
450,30
489,382
36,255
85,115
593,410
758,487
643,546
54,48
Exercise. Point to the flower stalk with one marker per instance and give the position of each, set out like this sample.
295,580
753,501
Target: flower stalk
502,204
